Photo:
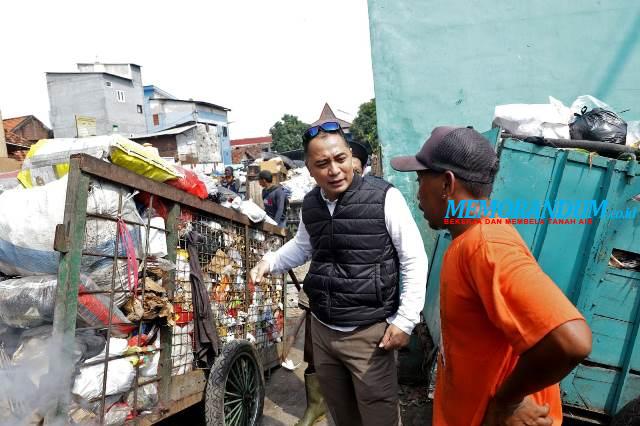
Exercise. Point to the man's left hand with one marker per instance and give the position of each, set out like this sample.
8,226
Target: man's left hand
394,338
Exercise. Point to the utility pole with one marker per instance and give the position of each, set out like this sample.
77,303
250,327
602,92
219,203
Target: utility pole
3,144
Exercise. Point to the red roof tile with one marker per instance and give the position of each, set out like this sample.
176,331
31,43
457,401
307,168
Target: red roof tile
251,141
18,140
11,123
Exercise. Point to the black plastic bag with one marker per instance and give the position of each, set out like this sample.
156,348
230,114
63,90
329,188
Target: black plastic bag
599,125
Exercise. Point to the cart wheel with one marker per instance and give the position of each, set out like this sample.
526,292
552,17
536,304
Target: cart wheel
235,389
629,415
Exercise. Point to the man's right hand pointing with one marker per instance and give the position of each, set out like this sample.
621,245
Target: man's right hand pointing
259,271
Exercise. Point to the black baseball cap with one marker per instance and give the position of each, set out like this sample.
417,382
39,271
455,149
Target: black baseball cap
462,150
360,151
266,175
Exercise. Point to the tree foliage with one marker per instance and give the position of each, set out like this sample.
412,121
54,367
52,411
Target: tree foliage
365,125
287,133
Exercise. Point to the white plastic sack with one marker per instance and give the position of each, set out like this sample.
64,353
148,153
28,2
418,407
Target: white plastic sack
120,373
147,397
27,225
252,211
117,414
633,133
209,182
157,238
299,183
588,101
151,368
39,168
182,349
547,120
27,302
28,218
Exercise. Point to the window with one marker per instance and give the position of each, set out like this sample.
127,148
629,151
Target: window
156,120
120,96
224,131
139,108
107,83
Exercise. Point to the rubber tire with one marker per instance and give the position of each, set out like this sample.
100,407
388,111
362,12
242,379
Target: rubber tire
214,395
629,415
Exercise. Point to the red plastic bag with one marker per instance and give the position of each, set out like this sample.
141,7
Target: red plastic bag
158,205
93,310
189,183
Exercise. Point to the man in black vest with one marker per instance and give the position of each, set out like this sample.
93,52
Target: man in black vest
360,236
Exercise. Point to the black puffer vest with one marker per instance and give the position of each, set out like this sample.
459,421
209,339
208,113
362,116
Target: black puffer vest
354,274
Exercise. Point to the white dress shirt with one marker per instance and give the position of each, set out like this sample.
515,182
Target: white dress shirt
407,241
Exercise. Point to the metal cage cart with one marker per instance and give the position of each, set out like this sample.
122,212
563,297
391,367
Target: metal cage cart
160,278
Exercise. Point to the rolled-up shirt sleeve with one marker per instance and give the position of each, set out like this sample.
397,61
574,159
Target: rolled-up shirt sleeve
414,265
295,252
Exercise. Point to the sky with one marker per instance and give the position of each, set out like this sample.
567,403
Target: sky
262,59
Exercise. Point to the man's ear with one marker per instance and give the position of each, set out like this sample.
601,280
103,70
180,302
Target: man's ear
449,183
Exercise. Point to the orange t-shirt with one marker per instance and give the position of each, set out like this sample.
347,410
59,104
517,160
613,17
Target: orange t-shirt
495,303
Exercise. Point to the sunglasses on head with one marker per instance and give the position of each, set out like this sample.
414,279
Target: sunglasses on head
328,127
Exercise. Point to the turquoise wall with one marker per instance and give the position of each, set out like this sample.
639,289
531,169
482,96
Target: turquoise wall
451,62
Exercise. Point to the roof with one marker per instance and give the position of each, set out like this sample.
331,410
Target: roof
156,89
193,102
328,115
251,141
17,140
108,63
89,73
14,123
11,123
174,131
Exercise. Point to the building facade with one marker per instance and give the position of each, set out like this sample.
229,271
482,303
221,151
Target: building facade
165,111
193,143
249,148
109,95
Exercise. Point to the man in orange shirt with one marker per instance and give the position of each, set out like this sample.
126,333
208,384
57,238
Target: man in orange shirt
509,335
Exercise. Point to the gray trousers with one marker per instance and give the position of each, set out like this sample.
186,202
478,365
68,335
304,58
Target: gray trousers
358,380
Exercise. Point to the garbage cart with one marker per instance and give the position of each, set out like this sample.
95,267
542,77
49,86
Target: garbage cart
154,311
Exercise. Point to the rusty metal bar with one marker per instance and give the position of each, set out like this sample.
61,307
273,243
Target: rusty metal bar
109,256
111,304
116,357
166,333
247,267
128,222
144,278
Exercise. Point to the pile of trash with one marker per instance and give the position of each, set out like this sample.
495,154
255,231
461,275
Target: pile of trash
34,360
240,309
587,118
123,299
299,182
48,161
